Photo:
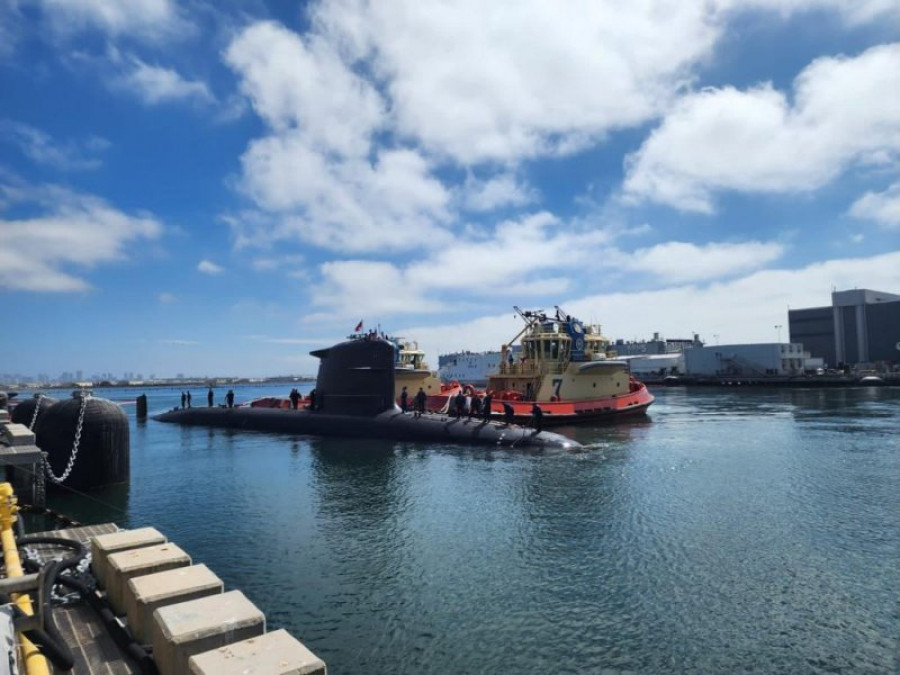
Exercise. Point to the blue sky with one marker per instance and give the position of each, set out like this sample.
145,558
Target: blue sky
218,188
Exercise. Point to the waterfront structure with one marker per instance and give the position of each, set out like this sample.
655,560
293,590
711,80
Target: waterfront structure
657,345
747,360
653,360
655,367
860,327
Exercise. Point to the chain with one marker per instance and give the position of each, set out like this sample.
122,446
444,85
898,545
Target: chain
37,409
49,470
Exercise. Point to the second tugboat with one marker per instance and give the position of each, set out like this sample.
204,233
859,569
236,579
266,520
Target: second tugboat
564,367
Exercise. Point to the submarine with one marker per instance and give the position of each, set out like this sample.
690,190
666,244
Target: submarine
355,399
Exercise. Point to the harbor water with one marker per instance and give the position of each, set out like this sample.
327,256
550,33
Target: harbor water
731,531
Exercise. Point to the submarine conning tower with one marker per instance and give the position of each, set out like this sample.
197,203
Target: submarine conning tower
355,377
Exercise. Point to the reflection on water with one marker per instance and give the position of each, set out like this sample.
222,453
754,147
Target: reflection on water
730,531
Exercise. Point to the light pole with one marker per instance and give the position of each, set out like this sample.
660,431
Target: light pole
778,332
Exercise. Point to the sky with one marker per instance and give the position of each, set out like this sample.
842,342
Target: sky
218,188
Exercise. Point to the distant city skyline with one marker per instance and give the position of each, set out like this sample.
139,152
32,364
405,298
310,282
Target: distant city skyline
222,188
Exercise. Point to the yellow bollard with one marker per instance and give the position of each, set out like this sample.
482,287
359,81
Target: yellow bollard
35,662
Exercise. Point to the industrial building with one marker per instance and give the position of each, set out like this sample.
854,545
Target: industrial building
860,328
752,360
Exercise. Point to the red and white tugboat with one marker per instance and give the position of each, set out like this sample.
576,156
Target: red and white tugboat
564,367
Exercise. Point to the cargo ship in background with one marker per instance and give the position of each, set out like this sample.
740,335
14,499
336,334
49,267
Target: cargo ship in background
470,367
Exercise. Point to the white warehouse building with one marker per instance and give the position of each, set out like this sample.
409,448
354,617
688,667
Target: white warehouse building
746,360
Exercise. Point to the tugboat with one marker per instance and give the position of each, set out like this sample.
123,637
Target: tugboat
563,366
411,370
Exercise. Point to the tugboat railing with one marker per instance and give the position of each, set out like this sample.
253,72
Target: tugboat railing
533,369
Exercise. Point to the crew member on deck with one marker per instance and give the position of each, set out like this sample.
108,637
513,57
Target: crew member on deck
404,400
209,398
486,407
537,416
229,398
475,407
189,399
420,402
509,413
460,404
295,398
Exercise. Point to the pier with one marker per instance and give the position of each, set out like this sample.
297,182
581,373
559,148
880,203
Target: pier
134,601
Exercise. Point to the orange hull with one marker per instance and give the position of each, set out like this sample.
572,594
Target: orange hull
634,402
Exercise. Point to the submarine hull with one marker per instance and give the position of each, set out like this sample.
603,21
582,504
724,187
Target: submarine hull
390,424
355,398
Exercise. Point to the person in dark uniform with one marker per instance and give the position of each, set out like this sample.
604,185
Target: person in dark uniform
183,400
420,402
404,400
460,404
486,407
537,417
509,413
189,399
295,398
229,398
475,407
209,398
312,400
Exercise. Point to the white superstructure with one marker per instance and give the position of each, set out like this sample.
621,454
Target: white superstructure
468,367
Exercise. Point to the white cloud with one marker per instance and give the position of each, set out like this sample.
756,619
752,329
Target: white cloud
41,148
481,81
155,85
517,252
11,27
316,174
881,207
844,111
278,262
854,13
533,256
350,205
209,267
679,262
351,287
499,191
142,19
166,298
301,84
73,230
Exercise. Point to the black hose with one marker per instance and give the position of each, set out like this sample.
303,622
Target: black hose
119,633
51,642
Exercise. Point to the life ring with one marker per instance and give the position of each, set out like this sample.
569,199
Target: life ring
579,344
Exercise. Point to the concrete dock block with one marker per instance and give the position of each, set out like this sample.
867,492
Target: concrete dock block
4,416
148,593
138,562
182,630
18,434
114,542
275,653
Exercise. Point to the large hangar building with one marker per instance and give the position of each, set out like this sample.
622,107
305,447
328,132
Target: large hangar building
860,327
